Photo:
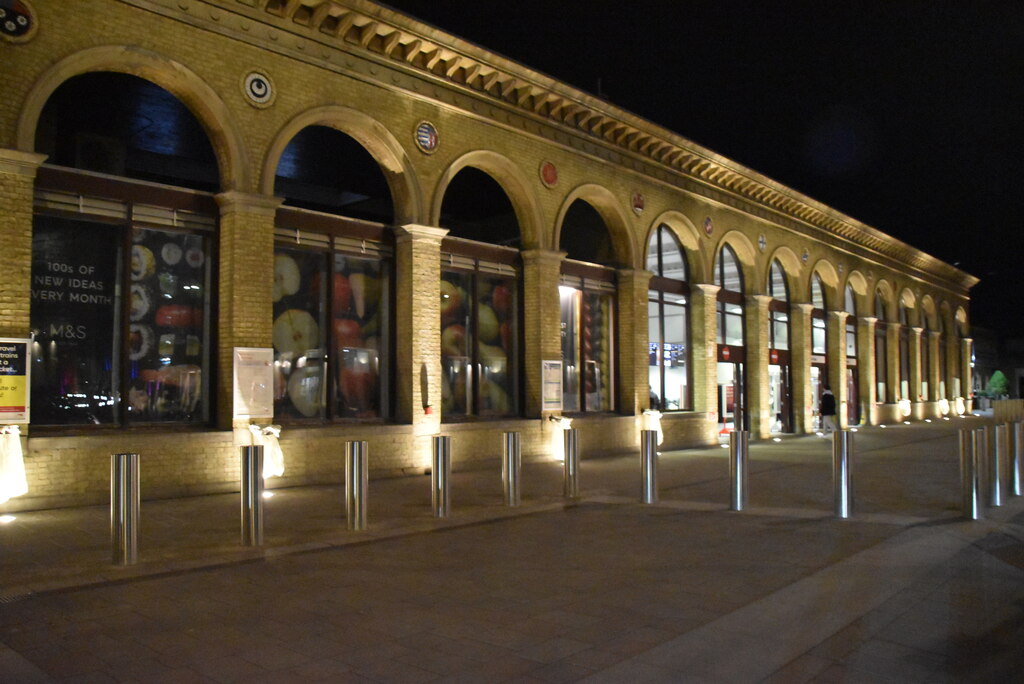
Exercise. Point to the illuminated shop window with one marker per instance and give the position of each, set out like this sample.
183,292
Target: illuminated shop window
881,349
667,323
587,322
332,327
479,337
729,278
120,312
778,308
818,312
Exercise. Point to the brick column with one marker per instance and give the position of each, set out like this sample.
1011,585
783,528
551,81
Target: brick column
704,347
952,369
631,294
800,367
542,319
914,340
245,279
866,368
933,372
836,348
755,314
892,362
17,178
418,326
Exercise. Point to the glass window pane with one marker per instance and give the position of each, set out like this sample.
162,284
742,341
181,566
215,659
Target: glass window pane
734,329
456,340
595,320
298,333
74,316
851,302
652,255
851,341
817,293
168,308
497,342
777,283
569,299
727,271
781,334
359,297
673,261
818,336
675,355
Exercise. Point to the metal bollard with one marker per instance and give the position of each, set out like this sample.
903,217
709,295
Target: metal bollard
1017,459
356,483
739,464
997,463
252,495
440,477
649,466
970,475
842,472
511,466
124,508
572,463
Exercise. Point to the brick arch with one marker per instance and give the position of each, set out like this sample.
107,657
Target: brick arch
792,267
908,300
512,180
930,316
375,139
859,283
611,212
202,100
745,254
960,318
688,237
884,287
830,282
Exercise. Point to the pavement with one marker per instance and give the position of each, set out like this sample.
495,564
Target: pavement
596,589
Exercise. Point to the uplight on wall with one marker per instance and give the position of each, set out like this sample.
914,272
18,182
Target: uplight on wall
961,407
904,405
944,406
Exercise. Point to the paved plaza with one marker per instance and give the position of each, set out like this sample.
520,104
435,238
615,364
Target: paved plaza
599,589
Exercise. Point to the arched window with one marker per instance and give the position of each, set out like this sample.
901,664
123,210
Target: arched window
904,379
479,299
587,294
121,267
926,358
668,323
778,309
333,262
729,278
850,306
852,381
881,349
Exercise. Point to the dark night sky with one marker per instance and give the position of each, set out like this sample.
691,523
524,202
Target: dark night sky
906,115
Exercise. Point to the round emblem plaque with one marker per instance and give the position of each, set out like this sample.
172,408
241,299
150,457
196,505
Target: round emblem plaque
548,174
17,21
426,137
258,89
709,227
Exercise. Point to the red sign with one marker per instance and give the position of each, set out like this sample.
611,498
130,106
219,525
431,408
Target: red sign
773,355
725,353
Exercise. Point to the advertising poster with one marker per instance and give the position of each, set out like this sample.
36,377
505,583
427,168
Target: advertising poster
551,385
253,383
14,381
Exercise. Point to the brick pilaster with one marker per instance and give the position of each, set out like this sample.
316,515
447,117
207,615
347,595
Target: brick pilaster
704,347
756,321
866,369
914,340
541,319
892,362
836,348
418,322
17,178
245,280
634,395
800,367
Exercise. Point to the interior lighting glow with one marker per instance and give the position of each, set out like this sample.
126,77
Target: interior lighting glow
7,519
268,495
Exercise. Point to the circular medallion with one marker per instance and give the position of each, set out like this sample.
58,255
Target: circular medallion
762,242
548,174
840,267
637,202
17,21
709,227
805,256
258,89
426,137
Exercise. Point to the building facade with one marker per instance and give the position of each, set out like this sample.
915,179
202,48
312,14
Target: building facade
417,228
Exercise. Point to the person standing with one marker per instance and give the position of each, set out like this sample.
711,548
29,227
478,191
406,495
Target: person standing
827,408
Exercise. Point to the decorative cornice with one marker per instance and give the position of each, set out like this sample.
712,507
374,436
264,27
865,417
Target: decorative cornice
388,37
18,163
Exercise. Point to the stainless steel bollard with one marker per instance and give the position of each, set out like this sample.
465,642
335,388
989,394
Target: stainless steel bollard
252,495
1017,459
997,463
124,508
511,467
842,472
357,471
649,466
970,475
739,464
572,463
440,477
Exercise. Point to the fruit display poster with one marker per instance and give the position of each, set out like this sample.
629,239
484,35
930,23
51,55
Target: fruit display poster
14,381
253,383
551,383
